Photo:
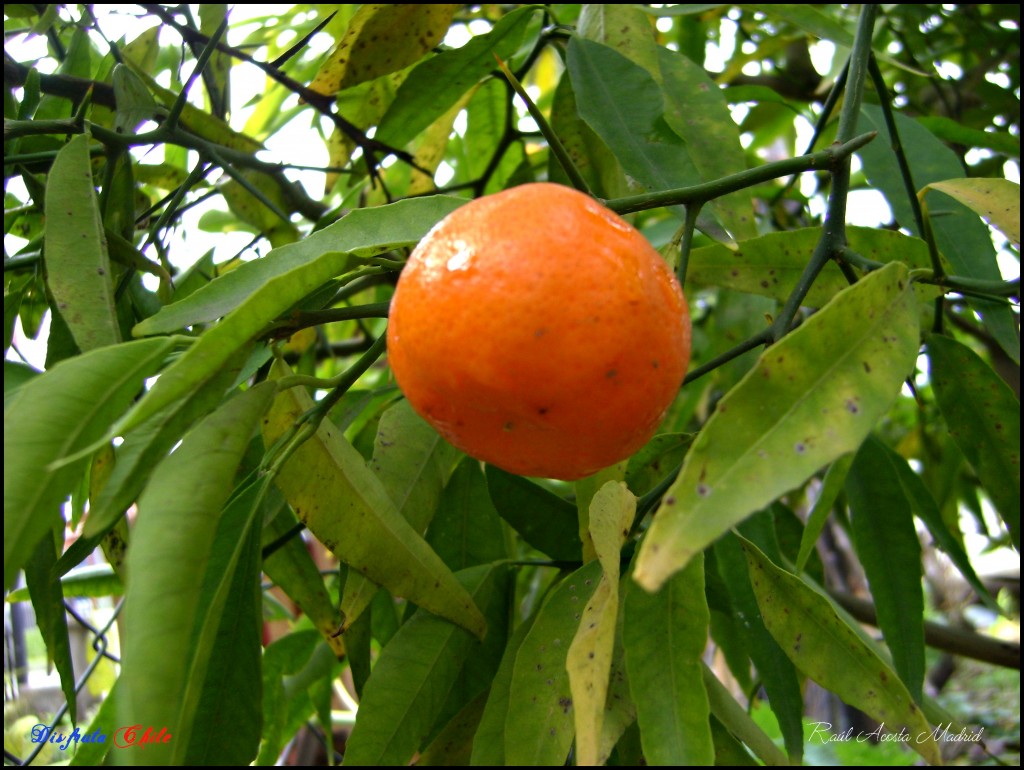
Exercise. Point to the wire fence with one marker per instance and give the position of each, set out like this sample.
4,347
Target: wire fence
24,697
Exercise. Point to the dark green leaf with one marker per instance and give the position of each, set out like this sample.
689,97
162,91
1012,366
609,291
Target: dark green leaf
544,520
415,673
664,635
983,417
962,238
889,551
227,730
778,676
466,529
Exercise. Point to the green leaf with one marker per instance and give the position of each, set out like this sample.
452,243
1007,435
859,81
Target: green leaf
831,486
436,84
466,530
831,653
173,549
489,742
290,666
145,446
963,240
16,375
135,104
77,263
345,506
361,233
415,674
216,76
810,19
625,28
591,156
292,569
51,617
91,581
540,728
731,716
227,730
199,122
656,460
381,39
949,130
812,397
926,509
778,676
623,104
542,519
56,415
413,462
696,109
997,200
589,659
453,746
771,265
104,722
664,635
886,541
983,417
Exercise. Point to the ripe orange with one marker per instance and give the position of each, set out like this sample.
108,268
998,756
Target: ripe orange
537,330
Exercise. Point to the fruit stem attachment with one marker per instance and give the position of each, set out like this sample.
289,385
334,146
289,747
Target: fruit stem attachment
554,143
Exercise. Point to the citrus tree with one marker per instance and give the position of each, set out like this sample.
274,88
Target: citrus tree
217,417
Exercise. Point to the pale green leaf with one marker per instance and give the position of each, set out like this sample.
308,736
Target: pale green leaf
77,263
362,233
771,265
413,462
381,39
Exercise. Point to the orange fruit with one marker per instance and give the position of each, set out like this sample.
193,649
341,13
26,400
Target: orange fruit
538,331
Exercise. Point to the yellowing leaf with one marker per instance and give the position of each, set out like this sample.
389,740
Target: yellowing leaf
590,655
383,38
997,200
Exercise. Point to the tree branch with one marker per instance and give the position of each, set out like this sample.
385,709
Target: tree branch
955,640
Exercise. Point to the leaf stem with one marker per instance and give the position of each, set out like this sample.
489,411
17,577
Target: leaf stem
702,193
761,338
557,148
